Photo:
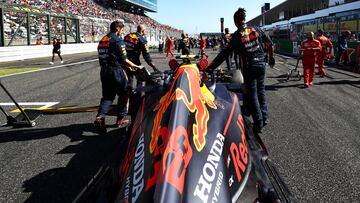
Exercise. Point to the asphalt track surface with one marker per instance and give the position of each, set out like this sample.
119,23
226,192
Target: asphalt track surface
313,136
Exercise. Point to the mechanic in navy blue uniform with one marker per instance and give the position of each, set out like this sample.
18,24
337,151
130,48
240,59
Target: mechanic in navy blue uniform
225,40
136,44
343,47
114,80
184,45
253,45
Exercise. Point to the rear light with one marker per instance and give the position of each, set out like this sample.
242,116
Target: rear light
203,64
173,64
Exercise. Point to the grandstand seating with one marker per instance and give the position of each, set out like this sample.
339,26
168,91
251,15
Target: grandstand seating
90,8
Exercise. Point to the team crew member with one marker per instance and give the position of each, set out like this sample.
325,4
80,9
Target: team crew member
224,43
310,48
343,48
184,45
136,44
203,46
252,44
113,63
169,46
326,50
56,50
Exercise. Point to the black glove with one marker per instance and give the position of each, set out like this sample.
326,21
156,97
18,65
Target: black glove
143,74
272,61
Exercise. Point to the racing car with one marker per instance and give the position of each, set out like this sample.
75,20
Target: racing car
190,142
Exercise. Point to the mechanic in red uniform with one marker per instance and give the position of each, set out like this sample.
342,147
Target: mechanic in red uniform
203,46
169,46
310,48
326,50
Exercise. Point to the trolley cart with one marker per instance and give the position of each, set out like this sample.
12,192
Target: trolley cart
23,119
294,72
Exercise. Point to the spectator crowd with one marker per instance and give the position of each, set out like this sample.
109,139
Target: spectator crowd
90,9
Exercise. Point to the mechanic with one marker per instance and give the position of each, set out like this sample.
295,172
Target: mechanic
113,63
326,50
169,46
136,44
224,42
343,48
203,46
253,45
310,49
184,45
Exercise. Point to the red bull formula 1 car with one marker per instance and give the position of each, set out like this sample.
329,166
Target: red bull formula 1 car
190,142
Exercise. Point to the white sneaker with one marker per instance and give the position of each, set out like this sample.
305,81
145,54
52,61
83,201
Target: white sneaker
51,63
62,62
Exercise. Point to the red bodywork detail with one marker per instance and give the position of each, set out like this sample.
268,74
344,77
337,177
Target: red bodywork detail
231,114
156,161
176,158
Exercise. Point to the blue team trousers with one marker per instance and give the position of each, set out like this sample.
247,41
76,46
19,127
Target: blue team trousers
114,82
255,100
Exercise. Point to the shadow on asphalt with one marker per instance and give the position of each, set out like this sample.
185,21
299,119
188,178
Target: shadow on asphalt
343,71
278,76
277,87
281,85
75,132
341,82
64,184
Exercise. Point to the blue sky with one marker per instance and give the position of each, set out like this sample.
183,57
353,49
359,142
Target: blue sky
195,16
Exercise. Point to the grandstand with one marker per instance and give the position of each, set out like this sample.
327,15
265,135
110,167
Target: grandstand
135,6
26,21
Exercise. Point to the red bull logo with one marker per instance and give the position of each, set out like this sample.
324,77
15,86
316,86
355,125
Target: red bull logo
249,34
240,152
196,103
104,42
132,38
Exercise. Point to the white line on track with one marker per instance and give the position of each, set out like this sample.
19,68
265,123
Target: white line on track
49,68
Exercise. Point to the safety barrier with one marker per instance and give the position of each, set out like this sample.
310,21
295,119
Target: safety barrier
17,53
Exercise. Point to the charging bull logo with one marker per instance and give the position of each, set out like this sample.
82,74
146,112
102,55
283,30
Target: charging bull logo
196,103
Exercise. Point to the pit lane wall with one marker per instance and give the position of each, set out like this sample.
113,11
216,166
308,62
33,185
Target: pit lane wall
16,53
291,48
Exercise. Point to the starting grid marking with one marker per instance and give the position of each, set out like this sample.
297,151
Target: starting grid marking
49,68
